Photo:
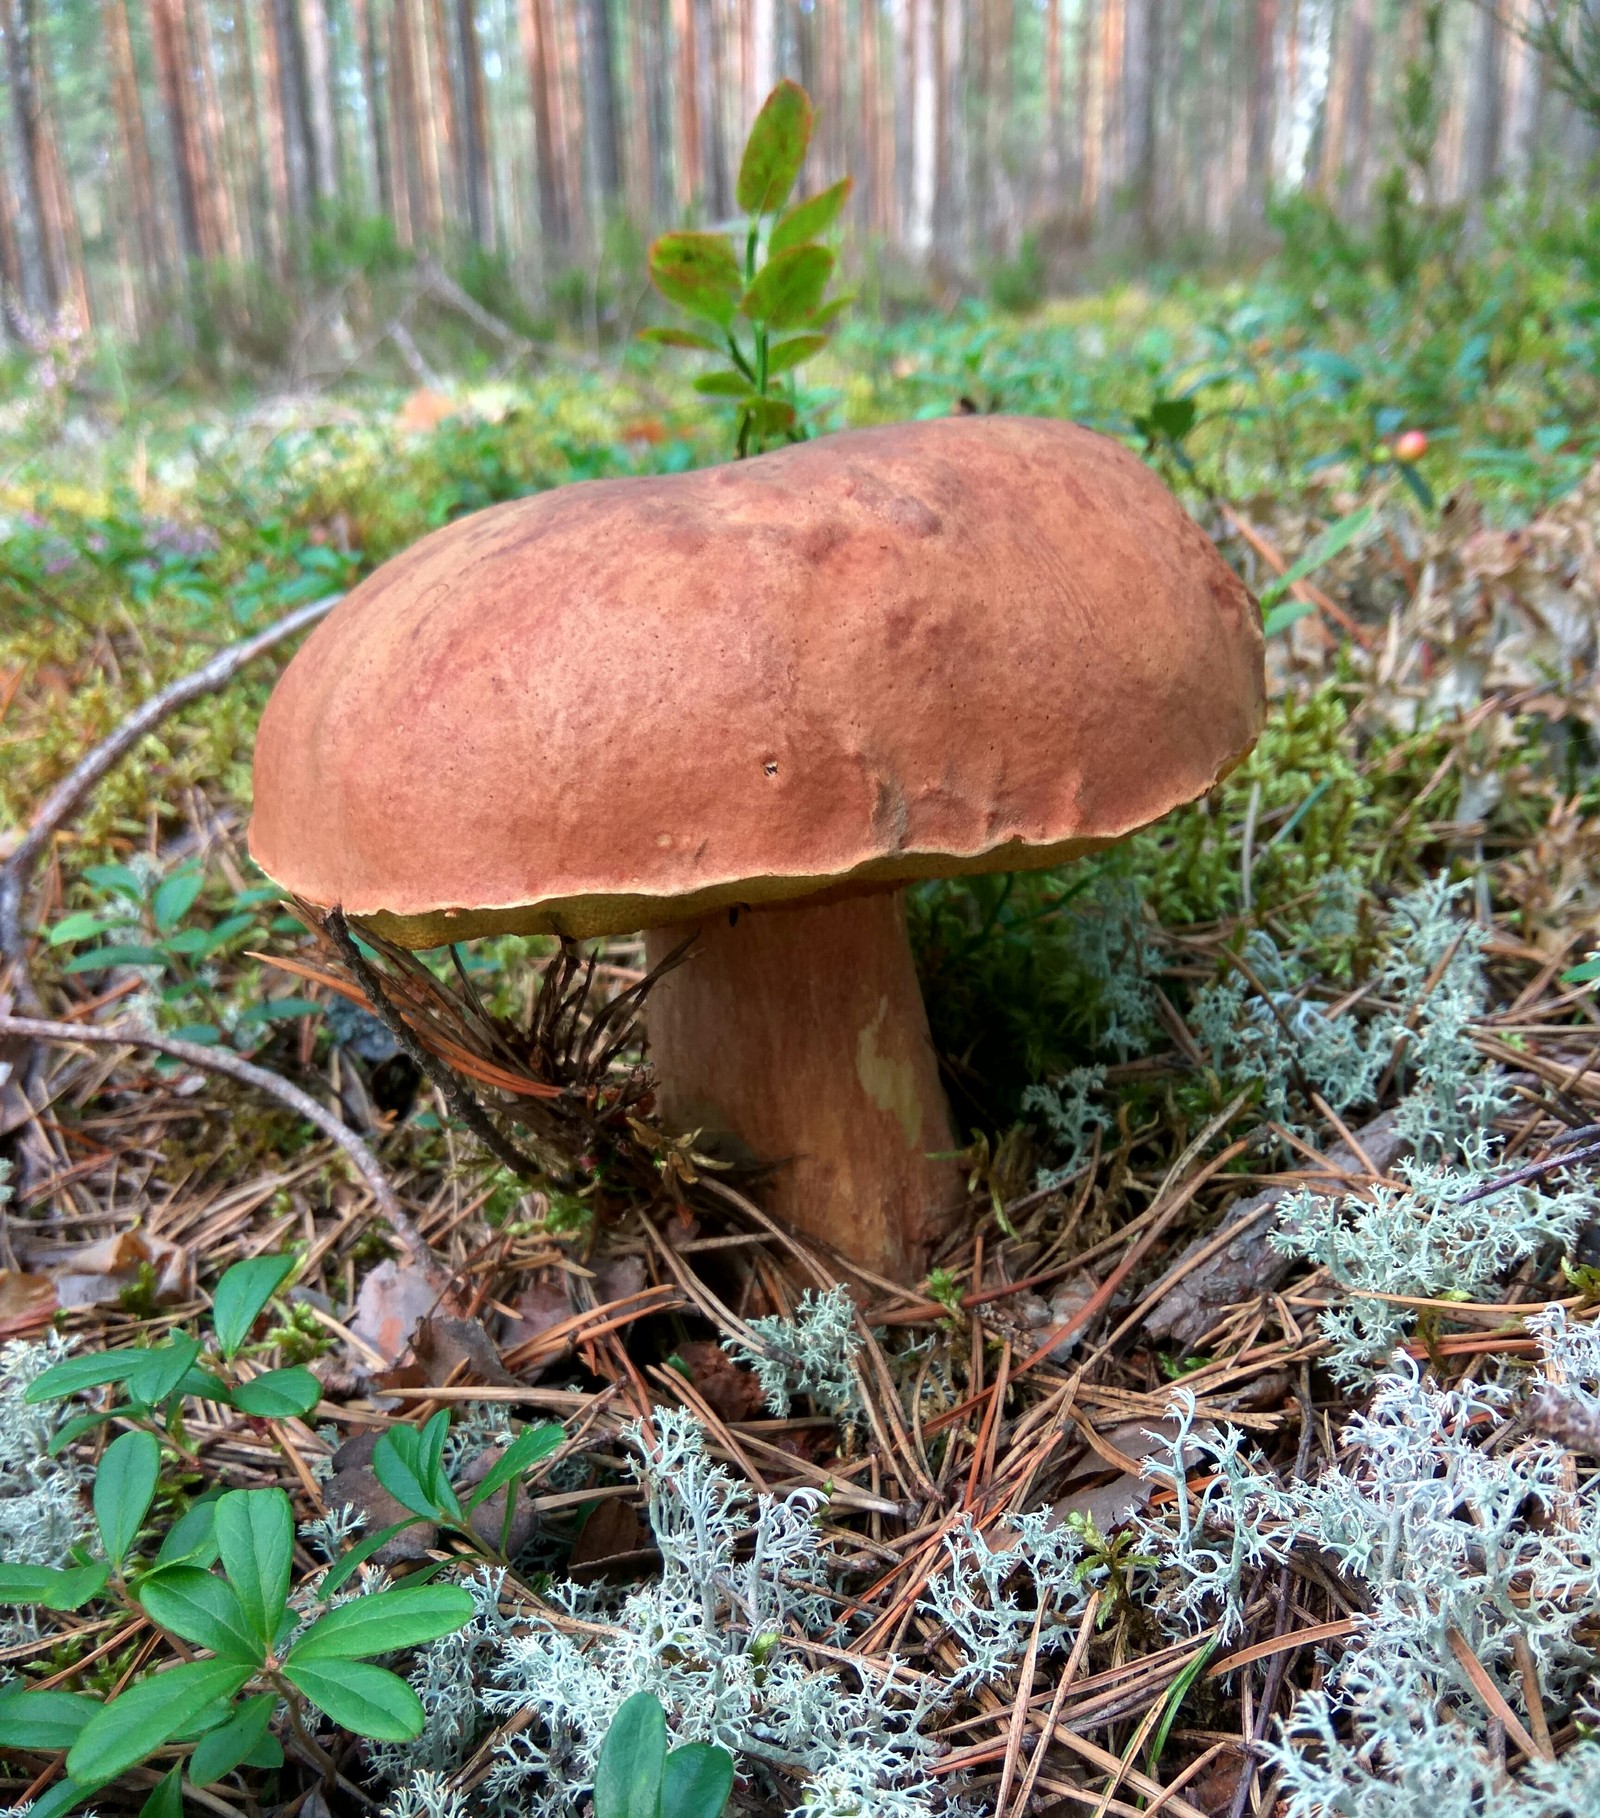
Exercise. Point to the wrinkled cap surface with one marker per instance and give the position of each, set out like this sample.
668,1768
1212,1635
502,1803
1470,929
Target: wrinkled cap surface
980,643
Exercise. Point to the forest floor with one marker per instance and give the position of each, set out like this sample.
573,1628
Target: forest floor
1236,1402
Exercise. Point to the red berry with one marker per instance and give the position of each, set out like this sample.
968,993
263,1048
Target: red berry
1412,446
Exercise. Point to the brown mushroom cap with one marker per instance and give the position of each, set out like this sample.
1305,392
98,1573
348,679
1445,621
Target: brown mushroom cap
966,645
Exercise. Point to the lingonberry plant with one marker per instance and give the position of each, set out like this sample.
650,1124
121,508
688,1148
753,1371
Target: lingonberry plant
410,1466
638,1777
156,1378
257,1653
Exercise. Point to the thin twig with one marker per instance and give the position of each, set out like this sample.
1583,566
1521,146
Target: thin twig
236,1067
69,794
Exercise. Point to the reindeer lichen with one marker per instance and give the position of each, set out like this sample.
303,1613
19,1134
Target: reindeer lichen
812,1354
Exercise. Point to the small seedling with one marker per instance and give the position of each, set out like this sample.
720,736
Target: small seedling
764,312
223,1702
637,1777
156,1378
409,1463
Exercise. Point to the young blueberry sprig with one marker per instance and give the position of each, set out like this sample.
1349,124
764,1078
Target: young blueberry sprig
763,303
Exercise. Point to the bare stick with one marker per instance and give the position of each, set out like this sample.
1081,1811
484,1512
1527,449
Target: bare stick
69,794
235,1066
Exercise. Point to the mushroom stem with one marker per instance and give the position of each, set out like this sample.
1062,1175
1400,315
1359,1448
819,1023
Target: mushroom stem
796,1036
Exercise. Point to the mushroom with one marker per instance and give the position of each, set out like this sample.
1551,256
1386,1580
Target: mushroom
750,704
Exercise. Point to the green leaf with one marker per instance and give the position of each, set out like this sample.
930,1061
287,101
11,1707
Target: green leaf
278,1394
137,1722
393,1464
430,1461
367,1700
71,1431
124,1487
61,1797
775,150
627,1777
79,927
175,896
1280,618
192,1538
383,1621
268,1753
830,312
783,355
1335,538
120,880
241,1294
255,1533
154,1374
362,1551
187,941
1176,1694
205,1383
1584,974
770,416
229,928
53,1587
221,1750
788,287
525,1451
724,385
279,1010
696,1781
699,273
102,958
166,1798
43,1720
200,1607
680,337
810,219
73,1374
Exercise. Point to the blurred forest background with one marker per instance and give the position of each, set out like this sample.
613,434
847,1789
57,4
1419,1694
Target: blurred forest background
168,165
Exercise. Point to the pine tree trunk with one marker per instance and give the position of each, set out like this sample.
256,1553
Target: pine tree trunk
316,52
1482,149
40,289
1142,28
139,173
534,22
169,42
293,107
366,31
690,173
11,272
658,80
212,137
599,62
1263,98
475,121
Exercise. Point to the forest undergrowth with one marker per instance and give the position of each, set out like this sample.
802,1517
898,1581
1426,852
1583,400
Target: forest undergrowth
1241,1453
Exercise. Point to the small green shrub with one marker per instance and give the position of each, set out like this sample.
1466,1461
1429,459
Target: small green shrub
777,288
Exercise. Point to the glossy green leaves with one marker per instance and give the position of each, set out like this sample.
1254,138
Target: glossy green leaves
637,1778
124,1487
139,1720
241,1295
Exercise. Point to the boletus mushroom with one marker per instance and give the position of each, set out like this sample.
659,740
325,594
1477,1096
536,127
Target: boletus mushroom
752,703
